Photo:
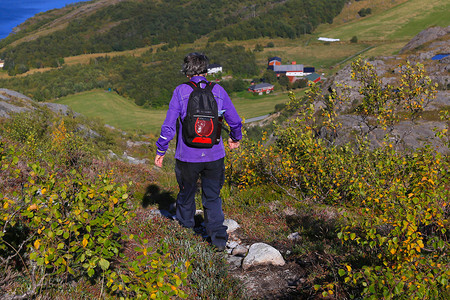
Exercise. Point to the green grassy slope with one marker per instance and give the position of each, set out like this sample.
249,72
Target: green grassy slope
114,110
403,22
389,30
384,32
124,114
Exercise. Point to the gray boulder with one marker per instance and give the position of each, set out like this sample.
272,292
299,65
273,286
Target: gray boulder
262,254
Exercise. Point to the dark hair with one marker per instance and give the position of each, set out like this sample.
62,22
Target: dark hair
195,64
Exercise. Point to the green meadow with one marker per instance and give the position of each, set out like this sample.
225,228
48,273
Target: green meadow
123,114
403,21
114,110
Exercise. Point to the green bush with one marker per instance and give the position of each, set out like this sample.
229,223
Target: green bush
395,203
364,12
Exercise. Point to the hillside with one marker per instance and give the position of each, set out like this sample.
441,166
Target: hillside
136,74
85,215
105,26
423,51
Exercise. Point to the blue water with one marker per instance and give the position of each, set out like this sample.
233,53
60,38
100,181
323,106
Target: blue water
15,12
440,56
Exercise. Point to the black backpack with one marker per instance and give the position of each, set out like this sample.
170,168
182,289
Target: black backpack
201,126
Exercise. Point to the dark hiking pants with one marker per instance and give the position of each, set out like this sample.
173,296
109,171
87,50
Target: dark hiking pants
212,178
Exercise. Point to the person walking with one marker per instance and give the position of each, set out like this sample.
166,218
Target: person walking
194,163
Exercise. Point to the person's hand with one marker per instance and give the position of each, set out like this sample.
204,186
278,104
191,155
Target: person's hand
159,160
233,144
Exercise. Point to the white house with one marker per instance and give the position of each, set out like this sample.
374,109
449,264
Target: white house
214,68
2,63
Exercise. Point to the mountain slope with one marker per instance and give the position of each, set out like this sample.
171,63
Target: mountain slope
105,26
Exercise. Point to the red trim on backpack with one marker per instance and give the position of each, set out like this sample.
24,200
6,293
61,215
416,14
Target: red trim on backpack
202,140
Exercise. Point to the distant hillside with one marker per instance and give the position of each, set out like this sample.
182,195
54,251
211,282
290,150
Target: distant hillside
107,25
148,79
147,75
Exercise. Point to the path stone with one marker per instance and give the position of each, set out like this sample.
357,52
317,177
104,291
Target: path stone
239,251
231,224
235,262
262,254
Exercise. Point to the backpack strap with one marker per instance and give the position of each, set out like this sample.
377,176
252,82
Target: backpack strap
192,84
208,84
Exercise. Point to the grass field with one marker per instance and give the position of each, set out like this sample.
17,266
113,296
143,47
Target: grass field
115,110
401,22
124,114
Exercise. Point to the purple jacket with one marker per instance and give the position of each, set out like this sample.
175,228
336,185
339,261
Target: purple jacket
178,106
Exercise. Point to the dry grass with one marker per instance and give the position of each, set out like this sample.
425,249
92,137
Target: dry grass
85,58
350,12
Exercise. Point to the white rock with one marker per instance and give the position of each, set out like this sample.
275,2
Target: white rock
262,254
294,236
232,244
239,251
231,224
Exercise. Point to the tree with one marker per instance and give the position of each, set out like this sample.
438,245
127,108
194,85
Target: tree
269,76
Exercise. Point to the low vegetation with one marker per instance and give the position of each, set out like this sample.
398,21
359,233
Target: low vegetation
373,222
72,220
392,205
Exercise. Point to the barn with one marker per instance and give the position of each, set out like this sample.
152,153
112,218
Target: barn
261,88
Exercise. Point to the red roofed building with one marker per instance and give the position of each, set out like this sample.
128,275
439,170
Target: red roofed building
261,88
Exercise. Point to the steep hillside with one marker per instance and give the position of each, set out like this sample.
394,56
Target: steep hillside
147,75
105,26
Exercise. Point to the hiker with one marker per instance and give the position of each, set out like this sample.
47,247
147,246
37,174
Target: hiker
193,162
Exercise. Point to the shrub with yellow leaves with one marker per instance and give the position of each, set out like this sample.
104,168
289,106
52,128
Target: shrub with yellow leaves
395,204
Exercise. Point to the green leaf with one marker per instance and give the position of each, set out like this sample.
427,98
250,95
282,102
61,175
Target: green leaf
104,264
341,272
90,272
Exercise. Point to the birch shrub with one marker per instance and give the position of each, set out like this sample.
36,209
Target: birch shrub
395,204
60,226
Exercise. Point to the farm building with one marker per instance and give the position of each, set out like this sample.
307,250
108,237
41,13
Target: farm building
274,61
314,77
261,88
293,71
214,68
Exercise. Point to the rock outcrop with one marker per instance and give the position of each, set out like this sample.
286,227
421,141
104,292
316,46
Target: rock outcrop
13,102
406,134
425,36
